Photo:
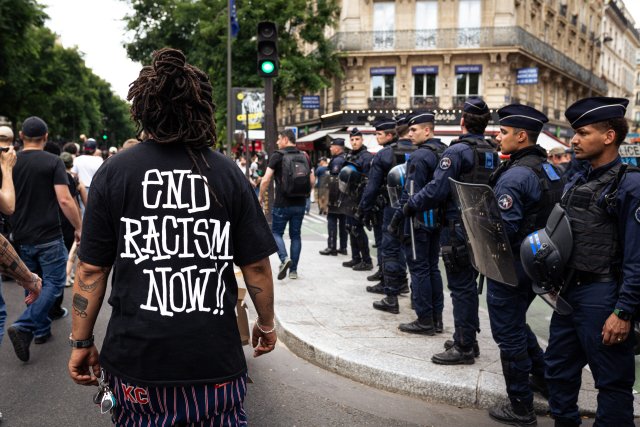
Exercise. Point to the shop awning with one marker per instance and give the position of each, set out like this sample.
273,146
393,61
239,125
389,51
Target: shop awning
317,135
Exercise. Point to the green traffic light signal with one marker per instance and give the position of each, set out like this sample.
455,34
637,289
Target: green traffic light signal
104,136
267,67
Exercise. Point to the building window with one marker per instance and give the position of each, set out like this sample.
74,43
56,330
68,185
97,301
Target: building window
384,17
467,84
426,23
469,22
637,120
638,98
383,86
638,79
424,84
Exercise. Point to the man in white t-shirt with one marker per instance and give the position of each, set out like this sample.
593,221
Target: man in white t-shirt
85,166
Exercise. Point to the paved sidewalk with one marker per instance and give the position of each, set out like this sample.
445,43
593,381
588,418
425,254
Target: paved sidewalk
326,317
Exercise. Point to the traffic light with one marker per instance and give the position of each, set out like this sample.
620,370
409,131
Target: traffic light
267,49
104,135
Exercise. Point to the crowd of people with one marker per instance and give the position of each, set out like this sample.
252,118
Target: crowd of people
169,216
405,195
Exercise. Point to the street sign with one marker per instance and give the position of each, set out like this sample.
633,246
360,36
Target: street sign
527,76
310,102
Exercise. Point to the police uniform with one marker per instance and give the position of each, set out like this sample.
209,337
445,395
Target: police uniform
526,187
603,206
375,199
470,159
360,255
426,281
336,221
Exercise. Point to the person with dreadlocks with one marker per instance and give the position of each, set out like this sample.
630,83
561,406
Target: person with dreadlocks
170,216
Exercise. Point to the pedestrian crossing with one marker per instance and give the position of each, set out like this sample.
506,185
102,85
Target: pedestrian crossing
315,218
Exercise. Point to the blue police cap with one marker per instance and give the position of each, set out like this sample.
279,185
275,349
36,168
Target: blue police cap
355,132
338,141
385,123
522,116
421,117
401,119
475,105
595,109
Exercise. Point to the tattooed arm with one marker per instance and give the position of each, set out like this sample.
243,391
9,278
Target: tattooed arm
259,282
11,265
88,293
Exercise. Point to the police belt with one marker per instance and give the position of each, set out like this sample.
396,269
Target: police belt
585,277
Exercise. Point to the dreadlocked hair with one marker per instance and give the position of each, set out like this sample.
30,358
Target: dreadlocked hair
172,101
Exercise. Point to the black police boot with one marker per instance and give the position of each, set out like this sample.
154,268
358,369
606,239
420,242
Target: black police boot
363,266
437,323
454,356
376,289
539,385
388,304
375,277
476,348
517,414
565,423
329,251
419,326
342,251
351,263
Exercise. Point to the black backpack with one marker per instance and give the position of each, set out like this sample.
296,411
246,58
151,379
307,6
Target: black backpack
295,174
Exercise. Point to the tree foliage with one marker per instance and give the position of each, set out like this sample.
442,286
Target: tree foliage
40,77
199,29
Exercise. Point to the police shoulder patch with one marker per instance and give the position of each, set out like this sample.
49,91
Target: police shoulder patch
506,201
445,163
638,214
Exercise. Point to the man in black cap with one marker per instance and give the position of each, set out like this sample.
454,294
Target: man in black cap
41,186
471,159
603,272
375,200
426,281
335,219
360,158
527,188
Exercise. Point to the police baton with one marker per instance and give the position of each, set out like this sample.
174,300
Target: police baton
411,231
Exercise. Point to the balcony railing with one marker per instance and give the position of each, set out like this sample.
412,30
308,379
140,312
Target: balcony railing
458,101
452,38
426,102
379,103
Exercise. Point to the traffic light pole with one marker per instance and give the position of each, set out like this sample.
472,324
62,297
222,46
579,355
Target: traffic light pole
270,138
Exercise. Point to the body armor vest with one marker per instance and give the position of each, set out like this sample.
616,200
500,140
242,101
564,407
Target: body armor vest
401,153
485,158
433,218
596,245
551,187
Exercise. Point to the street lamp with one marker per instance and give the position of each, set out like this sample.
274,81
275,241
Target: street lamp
596,41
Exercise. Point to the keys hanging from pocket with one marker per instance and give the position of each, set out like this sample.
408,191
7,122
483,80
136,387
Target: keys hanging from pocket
104,397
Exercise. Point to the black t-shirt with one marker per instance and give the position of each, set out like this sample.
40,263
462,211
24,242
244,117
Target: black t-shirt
172,246
36,218
283,201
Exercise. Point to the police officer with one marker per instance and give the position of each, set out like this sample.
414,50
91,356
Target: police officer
603,282
470,159
527,187
426,281
360,158
335,221
375,198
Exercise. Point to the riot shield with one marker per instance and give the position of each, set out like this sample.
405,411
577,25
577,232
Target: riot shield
489,247
333,194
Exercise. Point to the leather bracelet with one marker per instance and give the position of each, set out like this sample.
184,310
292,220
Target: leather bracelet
272,330
80,343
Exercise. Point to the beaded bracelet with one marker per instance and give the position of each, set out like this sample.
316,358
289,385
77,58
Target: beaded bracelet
272,330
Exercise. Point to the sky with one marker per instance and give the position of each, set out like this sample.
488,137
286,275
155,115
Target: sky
97,29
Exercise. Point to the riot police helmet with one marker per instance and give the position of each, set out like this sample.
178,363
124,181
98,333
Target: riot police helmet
395,184
545,252
349,179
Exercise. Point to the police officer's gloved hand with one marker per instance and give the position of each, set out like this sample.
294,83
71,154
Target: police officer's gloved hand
368,221
408,210
394,225
359,215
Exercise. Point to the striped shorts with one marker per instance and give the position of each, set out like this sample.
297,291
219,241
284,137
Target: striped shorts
197,405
